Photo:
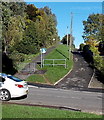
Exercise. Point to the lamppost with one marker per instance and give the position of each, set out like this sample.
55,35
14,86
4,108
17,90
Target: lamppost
70,44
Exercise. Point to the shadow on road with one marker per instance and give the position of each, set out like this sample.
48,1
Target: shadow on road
19,98
99,76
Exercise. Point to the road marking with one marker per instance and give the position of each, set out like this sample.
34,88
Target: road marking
64,90
31,86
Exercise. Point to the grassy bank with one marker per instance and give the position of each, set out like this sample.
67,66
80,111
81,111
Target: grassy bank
20,111
54,73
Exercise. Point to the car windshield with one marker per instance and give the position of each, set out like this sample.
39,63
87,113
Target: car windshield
14,78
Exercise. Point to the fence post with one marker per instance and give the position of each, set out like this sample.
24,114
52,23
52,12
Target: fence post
43,62
65,63
53,62
34,67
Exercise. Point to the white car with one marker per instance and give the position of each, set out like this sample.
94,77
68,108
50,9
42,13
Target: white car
11,87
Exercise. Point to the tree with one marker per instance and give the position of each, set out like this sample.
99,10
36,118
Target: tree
64,39
50,22
6,13
94,29
101,48
31,11
81,46
94,35
15,31
17,8
12,23
29,43
26,27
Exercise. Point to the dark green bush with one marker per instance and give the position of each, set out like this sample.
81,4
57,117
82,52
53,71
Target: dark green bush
17,57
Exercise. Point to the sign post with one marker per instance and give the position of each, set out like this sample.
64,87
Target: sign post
42,50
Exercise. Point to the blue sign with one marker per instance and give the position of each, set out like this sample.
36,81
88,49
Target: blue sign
43,50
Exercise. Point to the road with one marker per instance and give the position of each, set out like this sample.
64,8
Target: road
77,100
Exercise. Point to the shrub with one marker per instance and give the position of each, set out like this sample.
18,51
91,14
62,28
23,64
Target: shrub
98,60
99,63
88,54
17,57
81,47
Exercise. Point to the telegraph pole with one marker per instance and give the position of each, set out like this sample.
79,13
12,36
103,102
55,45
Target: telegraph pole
67,35
70,44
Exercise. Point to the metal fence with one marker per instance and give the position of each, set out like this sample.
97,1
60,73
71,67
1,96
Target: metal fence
27,68
53,62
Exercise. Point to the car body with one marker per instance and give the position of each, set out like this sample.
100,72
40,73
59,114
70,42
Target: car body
11,87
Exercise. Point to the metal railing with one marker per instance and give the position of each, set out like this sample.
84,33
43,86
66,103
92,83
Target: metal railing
53,62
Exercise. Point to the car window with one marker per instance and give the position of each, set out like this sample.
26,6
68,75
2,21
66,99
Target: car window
2,79
14,78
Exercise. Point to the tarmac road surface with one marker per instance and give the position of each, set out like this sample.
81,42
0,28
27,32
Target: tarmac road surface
77,100
80,75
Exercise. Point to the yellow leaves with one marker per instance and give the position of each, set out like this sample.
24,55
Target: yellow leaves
92,43
15,30
28,21
39,18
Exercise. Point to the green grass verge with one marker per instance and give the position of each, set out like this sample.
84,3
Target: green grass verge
36,78
53,74
0,110
21,111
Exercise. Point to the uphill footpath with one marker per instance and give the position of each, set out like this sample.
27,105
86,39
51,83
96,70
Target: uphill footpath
82,76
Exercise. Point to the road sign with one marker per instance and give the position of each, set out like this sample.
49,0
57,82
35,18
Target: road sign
43,50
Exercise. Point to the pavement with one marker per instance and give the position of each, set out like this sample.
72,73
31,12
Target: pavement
96,82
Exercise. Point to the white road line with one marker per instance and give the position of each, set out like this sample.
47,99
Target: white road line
63,90
31,86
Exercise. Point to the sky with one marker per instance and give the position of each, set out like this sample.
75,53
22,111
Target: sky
63,10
